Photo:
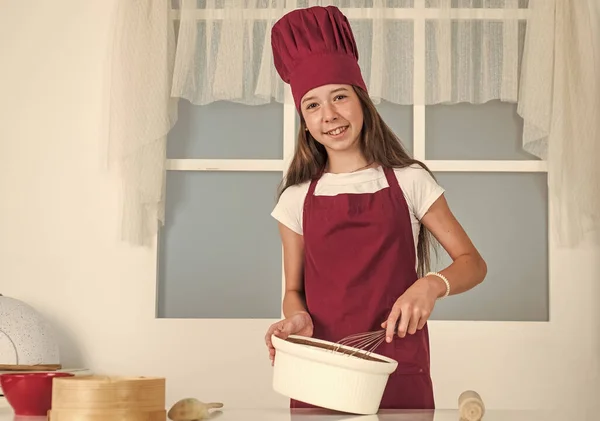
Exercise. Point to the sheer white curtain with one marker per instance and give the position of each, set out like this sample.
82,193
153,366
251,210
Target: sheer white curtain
222,52
141,112
560,104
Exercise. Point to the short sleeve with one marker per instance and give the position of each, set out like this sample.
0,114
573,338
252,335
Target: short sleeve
289,207
420,189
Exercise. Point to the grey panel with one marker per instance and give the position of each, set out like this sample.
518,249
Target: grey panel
225,130
506,216
219,252
467,131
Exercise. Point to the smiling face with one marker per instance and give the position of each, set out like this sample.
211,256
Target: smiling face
333,116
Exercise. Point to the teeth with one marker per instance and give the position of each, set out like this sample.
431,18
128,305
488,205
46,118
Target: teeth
336,131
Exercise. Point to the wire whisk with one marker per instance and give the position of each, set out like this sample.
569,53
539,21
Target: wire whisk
364,344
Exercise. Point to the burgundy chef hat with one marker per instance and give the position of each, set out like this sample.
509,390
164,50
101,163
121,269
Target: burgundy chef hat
313,47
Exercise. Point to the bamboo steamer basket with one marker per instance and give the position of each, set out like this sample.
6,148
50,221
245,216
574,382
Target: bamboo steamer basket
108,398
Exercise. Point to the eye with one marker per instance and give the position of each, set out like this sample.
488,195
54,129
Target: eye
311,105
339,97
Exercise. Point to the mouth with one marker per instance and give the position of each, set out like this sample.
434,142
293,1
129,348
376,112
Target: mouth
337,131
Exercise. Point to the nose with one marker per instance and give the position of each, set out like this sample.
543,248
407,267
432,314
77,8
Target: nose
329,112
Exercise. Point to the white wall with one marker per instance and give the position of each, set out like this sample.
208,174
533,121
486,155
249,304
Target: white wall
58,251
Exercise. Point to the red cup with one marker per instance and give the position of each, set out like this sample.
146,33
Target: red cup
29,394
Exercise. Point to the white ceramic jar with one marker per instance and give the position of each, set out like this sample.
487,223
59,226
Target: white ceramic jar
26,338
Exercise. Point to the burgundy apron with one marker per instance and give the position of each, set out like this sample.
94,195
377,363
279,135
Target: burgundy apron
359,258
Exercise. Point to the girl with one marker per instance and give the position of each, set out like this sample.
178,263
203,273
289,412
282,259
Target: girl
356,213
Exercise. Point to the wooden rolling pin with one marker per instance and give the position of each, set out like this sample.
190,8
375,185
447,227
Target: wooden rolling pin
470,406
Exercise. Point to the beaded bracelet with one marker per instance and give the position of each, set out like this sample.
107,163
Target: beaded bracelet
443,278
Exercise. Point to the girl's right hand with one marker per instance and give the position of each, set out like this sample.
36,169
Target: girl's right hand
298,324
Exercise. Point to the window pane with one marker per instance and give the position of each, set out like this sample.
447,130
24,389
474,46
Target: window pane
393,42
400,3
506,216
219,252
220,4
226,130
468,131
480,72
400,120
491,4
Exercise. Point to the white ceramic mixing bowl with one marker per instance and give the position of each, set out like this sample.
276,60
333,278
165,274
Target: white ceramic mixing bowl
309,370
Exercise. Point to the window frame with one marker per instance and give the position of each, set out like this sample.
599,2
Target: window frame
419,14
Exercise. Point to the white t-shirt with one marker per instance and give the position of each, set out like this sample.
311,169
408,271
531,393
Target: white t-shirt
419,188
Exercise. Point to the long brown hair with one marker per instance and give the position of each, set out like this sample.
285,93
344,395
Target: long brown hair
378,143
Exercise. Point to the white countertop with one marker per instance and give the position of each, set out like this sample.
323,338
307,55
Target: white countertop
234,414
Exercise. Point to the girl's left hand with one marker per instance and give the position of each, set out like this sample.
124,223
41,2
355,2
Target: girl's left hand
413,308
